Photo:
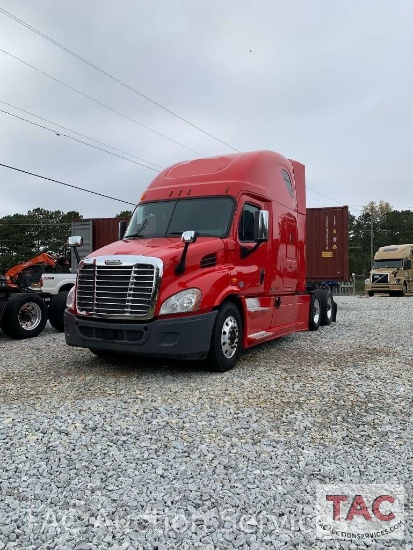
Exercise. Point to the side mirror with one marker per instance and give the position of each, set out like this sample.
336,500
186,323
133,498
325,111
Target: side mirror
121,229
189,236
75,241
261,223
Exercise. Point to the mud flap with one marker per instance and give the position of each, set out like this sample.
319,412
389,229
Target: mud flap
334,316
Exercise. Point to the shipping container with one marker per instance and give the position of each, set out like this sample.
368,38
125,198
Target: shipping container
96,233
327,253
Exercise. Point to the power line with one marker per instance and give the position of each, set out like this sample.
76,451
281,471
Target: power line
123,115
322,194
114,78
66,184
34,224
100,103
78,140
79,134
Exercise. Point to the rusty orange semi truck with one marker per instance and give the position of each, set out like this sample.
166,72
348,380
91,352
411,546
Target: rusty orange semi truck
212,262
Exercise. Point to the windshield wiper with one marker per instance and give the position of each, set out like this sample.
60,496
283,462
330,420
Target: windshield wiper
138,233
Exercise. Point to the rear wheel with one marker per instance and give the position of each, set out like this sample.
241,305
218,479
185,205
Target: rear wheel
314,320
24,316
326,307
57,308
226,339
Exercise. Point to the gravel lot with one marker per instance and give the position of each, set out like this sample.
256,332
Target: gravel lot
165,455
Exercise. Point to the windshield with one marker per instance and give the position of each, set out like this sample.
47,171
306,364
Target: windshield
377,264
211,217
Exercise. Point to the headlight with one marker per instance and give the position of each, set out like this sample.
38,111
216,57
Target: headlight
367,282
397,281
182,302
70,300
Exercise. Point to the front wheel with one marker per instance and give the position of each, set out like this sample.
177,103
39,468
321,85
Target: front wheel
24,316
370,293
226,339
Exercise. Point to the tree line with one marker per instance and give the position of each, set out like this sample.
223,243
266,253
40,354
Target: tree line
378,224
24,236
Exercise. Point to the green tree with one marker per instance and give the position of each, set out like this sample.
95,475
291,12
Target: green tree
380,225
124,214
24,236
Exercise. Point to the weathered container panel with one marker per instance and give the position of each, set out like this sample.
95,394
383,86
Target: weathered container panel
327,244
105,231
96,233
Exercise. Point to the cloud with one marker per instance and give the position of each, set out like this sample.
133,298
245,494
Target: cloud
324,82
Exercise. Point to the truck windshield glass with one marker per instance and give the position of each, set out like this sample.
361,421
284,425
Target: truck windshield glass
209,216
377,264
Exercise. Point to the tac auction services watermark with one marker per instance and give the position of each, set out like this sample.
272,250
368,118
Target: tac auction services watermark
360,512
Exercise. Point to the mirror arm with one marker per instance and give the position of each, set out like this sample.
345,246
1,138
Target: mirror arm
76,255
180,268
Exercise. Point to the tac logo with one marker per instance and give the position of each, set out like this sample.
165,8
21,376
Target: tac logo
357,512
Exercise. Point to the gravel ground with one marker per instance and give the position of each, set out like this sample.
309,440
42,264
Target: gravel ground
165,455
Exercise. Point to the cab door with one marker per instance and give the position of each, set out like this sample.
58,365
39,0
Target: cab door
254,271
286,305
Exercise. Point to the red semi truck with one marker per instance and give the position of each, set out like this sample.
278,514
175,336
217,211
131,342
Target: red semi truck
212,262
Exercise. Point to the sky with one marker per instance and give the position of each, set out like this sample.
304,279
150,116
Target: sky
328,83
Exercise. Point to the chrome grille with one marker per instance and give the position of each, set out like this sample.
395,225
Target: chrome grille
380,278
121,288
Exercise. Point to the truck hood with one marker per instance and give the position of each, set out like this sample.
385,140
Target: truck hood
166,249
378,270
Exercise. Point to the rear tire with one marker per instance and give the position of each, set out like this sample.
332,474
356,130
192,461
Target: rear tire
57,308
24,316
226,339
315,312
326,307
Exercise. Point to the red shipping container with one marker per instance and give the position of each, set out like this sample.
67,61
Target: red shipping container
327,244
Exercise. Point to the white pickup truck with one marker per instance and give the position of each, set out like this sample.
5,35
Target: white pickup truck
54,288
53,283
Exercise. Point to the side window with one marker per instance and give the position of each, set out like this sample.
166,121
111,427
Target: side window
288,183
246,223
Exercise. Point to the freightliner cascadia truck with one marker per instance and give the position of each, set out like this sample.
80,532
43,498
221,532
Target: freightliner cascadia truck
212,262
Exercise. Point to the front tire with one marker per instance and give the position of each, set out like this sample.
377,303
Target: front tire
57,308
24,316
370,293
226,339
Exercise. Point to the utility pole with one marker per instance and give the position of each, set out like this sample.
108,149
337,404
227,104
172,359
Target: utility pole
371,238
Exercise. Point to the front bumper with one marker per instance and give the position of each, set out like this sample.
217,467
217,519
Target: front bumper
385,288
184,338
